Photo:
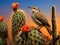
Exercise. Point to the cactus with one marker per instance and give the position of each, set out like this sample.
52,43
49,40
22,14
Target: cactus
18,19
3,29
22,36
54,28
33,37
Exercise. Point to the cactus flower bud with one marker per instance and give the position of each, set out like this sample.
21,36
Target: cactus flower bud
25,29
1,18
15,5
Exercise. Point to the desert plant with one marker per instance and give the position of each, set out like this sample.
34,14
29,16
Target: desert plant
54,28
18,19
3,29
32,37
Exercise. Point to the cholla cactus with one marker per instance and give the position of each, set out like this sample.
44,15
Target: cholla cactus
18,19
3,28
30,37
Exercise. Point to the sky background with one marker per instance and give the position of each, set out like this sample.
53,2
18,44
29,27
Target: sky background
44,5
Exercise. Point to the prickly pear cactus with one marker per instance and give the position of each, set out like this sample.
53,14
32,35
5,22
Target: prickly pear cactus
20,39
3,30
2,42
22,36
18,20
33,37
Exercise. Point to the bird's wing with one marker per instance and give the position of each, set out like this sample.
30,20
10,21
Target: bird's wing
35,20
41,18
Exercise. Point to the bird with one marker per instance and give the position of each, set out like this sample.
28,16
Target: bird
39,18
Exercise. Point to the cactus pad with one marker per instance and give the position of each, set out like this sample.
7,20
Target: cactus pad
18,20
3,30
34,37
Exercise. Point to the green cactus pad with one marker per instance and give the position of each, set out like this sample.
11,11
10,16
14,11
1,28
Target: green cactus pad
3,30
20,38
34,38
18,20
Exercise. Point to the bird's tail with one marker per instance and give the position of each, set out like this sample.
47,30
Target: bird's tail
49,30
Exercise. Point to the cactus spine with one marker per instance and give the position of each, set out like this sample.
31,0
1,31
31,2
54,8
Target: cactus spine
54,28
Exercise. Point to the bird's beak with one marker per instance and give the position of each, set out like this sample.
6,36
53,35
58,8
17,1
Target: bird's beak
29,7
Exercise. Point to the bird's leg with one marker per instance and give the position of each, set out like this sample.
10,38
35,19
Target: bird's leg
39,27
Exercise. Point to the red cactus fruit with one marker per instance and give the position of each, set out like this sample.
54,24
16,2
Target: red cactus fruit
25,29
1,18
15,5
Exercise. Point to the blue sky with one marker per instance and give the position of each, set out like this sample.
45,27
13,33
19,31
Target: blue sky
44,5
